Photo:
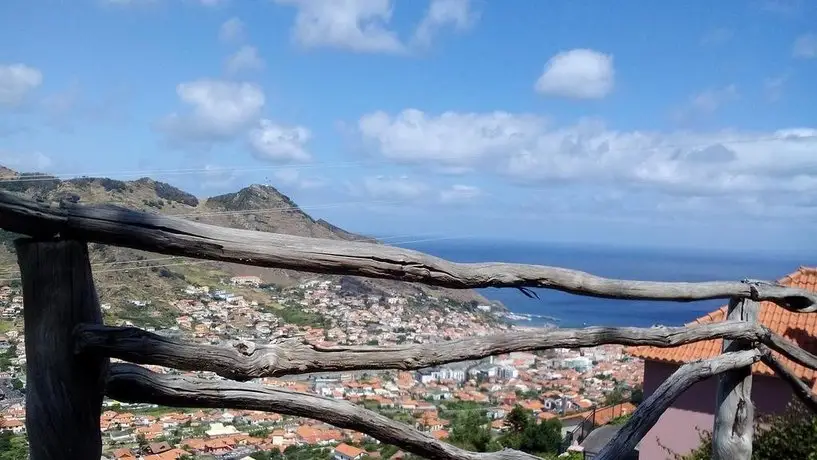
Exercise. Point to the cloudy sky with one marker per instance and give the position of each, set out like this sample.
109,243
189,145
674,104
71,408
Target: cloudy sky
691,125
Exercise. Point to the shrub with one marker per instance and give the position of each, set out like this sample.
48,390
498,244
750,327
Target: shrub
171,193
792,434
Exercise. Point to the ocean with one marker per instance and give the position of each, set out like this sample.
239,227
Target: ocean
568,310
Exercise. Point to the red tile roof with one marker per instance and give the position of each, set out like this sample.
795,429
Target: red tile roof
349,451
799,328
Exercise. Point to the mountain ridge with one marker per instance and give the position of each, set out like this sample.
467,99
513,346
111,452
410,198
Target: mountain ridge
255,207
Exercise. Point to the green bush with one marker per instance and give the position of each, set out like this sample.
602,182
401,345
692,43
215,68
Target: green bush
792,434
13,446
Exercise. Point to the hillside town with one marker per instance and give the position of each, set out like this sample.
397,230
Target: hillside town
570,386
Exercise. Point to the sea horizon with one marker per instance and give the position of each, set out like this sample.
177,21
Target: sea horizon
637,263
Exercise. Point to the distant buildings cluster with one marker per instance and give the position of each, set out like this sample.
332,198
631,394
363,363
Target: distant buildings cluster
557,384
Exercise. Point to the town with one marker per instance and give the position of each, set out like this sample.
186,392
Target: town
569,386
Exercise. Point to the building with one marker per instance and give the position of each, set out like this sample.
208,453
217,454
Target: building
174,454
253,281
579,363
15,426
219,429
344,451
507,372
159,447
436,374
123,454
678,428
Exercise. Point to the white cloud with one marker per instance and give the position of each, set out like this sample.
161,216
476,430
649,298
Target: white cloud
273,142
357,25
805,47
246,58
441,13
578,73
459,193
365,26
451,139
232,30
524,149
394,188
220,110
17,81
293,178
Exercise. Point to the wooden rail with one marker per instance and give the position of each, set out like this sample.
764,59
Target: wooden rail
174,236
66,341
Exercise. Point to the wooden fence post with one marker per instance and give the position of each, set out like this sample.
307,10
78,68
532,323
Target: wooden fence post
734,417
64,391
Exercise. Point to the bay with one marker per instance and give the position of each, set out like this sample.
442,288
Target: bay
654,264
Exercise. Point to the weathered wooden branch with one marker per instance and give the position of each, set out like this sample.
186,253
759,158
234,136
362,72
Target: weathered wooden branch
246,360
790,350
649,411
132,383
175,236
800,389
735,413
64,391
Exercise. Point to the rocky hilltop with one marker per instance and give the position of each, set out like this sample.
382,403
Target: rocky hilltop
257,207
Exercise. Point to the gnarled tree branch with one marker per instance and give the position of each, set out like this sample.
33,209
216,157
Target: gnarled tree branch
790,350
800,389
132,383
244,361
654,406
175,236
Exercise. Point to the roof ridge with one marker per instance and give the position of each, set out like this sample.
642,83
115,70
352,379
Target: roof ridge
806,269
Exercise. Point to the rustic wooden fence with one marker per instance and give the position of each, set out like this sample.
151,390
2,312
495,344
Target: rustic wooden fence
68,348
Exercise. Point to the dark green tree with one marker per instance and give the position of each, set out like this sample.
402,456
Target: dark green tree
142,442
13,446
470,430
615,397
542,438
528,436
518,419
637,395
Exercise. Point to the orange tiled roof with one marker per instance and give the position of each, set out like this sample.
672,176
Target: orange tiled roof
440,434
800,328
349,451
169,455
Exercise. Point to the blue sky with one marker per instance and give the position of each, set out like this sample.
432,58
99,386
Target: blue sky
689,125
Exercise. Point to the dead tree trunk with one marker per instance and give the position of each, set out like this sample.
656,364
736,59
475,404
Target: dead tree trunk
64,390
735,414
